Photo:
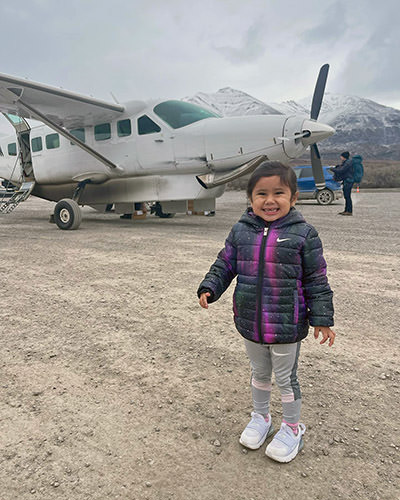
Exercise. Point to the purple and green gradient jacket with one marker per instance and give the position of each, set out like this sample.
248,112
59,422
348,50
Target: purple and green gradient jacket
281,286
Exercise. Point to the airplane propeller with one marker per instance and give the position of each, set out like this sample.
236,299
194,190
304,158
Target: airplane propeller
319,90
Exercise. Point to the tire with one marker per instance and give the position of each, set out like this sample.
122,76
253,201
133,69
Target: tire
325,196
67,214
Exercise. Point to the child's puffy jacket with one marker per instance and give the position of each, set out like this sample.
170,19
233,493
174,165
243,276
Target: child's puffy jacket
281,278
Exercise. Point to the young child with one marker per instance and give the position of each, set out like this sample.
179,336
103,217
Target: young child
281,289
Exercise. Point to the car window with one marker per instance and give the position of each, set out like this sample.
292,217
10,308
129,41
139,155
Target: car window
306,172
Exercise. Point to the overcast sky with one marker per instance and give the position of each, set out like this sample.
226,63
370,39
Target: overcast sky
271,49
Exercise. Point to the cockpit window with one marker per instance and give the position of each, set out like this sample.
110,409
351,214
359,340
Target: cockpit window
179,113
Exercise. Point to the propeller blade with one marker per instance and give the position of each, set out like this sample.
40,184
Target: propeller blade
317,170
319,92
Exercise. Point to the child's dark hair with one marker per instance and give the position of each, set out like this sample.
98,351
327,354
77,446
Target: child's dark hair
270,168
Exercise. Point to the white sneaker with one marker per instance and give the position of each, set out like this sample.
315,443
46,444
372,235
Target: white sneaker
256,431
286,444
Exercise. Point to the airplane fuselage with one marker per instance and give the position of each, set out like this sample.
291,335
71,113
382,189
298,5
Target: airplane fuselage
157,157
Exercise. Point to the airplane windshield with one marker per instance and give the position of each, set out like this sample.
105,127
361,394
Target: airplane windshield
179,113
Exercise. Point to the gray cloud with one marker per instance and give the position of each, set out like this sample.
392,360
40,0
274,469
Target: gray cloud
140,49
252,47
332,26
373,69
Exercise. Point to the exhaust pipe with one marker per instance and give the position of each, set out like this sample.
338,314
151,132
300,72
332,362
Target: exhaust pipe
212,179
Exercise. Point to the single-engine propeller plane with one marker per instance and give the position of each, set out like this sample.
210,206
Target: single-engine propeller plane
108,155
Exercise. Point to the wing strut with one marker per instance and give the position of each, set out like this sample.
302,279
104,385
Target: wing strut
69,136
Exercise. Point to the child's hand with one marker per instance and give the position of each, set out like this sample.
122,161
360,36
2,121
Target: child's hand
203,299
327,333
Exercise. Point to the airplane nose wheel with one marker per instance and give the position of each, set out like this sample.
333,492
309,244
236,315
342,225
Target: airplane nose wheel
67,214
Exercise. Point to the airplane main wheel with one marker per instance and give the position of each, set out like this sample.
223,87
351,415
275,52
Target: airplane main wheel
325,196
67,214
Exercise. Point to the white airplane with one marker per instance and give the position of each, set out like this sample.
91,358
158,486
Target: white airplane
116,156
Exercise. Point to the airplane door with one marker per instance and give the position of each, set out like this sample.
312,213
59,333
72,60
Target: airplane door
25,154
154,146
22,129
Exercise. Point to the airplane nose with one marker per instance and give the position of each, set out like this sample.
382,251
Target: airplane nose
318,132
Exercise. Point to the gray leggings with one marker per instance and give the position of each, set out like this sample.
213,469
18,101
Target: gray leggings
282,360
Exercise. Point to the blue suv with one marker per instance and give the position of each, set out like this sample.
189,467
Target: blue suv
308,191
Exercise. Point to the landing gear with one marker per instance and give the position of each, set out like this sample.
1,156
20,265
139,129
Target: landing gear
67,214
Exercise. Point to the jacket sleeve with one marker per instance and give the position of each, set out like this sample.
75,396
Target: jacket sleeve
317,291
221,273
344,171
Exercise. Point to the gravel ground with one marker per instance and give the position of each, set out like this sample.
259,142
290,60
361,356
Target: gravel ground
116,384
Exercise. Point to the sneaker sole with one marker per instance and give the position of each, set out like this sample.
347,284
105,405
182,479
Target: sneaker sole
260,443
289,457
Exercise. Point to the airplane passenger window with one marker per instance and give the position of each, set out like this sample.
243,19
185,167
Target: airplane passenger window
37,144
147,126
102,132
79,133
179,113
124,128
52,141
12,149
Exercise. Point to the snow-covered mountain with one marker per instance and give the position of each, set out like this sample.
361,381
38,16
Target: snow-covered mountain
362,126
231,102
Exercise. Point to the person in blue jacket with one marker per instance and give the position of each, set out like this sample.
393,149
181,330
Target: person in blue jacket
344,173
281,289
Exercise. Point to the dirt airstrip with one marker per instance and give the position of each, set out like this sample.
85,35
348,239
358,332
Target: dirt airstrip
115,384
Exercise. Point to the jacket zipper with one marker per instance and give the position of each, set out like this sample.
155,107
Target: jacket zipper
260,283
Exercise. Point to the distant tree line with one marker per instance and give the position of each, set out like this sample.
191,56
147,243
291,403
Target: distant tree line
381,174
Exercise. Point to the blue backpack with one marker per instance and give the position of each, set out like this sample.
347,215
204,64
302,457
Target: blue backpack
358,169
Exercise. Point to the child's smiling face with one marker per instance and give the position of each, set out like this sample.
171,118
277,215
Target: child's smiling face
271,199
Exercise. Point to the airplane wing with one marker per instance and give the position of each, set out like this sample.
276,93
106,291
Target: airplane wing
62,107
